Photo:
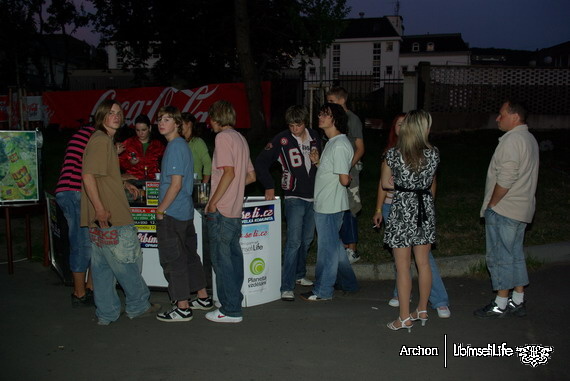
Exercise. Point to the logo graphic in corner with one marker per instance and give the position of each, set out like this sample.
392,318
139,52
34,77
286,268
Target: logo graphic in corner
534,354
257,266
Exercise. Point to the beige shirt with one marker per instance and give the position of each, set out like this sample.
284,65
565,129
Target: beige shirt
514,166
100,159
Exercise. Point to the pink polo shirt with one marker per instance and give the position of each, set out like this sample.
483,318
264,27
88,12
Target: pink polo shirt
231,151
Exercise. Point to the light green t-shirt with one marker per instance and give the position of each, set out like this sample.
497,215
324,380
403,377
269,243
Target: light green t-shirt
201,156
330,195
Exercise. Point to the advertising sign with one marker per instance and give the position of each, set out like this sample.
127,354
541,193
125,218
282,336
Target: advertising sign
18,166
261,246
66,108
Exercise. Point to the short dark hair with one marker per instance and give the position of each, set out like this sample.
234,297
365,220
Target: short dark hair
338,115
297,115
514,106
188,118
338,92
142,118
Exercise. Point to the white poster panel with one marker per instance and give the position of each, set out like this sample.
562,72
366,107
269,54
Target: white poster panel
34,108
145,222
261,246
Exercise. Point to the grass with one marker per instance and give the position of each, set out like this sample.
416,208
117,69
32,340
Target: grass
461,181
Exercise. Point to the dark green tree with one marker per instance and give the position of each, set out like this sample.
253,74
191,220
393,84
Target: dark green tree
17,41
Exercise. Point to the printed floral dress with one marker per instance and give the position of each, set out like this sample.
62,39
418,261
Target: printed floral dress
412,216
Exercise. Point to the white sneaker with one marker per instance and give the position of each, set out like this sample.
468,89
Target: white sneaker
394,302
304,282
352,255
288,296
443,312
218,317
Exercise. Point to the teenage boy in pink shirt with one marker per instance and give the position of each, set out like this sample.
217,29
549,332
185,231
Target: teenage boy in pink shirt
232,170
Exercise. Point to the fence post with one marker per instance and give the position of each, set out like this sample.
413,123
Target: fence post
410,95
424,84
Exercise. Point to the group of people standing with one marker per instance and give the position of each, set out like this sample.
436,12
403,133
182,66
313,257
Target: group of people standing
321,192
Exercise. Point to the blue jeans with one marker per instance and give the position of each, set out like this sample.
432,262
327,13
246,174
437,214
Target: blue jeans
349,228
79,244
117,256
300,233
332,263
227,261
438,294
505,254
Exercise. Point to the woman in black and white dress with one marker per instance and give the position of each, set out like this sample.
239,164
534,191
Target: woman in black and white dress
411,224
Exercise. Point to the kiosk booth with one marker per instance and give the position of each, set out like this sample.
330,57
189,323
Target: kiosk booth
260,242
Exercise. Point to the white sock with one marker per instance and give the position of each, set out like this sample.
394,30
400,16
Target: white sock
501,302
518,297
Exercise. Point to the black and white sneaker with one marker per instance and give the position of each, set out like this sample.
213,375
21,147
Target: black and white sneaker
490,311
202,304
175,315
518,310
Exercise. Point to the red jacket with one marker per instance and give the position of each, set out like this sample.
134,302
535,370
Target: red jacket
151,159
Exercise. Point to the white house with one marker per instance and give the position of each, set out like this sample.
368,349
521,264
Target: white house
367,46
437,49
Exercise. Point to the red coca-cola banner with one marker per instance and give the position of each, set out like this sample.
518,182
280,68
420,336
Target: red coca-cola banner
70,109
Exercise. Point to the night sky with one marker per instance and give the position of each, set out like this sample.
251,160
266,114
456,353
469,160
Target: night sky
511,24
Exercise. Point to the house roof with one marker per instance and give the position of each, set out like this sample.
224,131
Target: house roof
368,27
451,42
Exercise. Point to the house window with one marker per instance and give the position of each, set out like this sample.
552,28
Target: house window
389,70
312,70
416,47
376,59
430,47
335,61
389,46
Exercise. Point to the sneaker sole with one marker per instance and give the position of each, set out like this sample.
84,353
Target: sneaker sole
201,308
174,320
225,320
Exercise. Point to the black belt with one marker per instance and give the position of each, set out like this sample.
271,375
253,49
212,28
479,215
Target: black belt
422,215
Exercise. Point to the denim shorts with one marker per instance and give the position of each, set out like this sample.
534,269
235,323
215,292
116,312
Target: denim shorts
505,254
122,241
79,245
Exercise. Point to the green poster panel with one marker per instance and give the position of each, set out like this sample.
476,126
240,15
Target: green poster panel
18,166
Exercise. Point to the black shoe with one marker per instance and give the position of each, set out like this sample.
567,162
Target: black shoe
490,311
518,310
85,301
201,304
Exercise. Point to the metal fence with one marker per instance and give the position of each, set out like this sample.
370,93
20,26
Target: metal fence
370,96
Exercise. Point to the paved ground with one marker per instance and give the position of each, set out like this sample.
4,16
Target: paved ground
345,339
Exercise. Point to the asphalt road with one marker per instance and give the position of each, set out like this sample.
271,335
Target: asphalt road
344,339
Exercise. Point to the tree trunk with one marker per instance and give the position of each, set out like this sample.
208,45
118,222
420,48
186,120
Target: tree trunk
249,72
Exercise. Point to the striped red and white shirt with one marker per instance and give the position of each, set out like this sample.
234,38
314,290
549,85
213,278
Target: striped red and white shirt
70,176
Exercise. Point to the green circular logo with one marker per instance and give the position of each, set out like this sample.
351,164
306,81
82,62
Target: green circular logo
257,266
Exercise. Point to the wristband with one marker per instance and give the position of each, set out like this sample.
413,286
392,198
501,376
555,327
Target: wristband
160,212
378,210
